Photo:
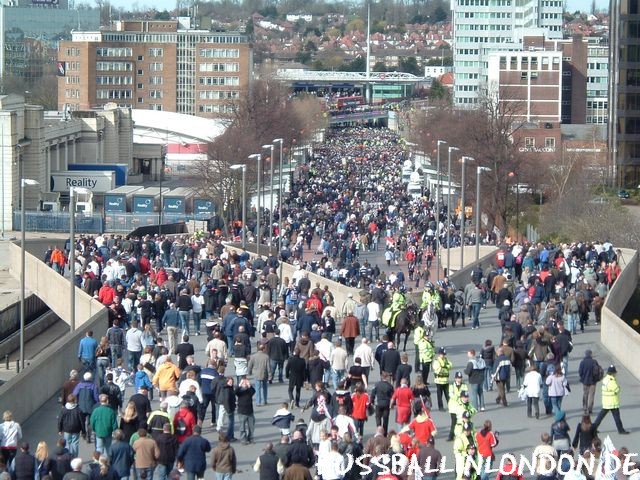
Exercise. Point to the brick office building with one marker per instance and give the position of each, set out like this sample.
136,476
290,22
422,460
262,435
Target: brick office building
155,65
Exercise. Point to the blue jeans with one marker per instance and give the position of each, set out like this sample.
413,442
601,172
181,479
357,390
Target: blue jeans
475,313
336,377
184,321
73,443
134,359
556,404
261,392
276,364
374,325
487,377
163,471
230,343
103,444
194,475
571,322
149,471
486,465
477,395
197,316
224,476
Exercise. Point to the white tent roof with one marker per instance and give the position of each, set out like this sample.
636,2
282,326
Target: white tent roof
158,127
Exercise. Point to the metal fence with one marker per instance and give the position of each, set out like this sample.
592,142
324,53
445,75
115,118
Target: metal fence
96,222
58,222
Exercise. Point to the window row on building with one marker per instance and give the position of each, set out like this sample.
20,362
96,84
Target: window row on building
114,52
219,67
113,80
220,52
233,81
113,94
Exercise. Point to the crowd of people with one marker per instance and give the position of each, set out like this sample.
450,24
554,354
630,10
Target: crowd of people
150,401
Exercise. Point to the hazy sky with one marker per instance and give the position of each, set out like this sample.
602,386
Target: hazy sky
572,5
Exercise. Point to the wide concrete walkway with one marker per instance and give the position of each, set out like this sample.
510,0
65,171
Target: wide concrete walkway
518,433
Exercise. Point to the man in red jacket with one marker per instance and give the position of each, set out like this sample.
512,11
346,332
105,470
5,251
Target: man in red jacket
183,422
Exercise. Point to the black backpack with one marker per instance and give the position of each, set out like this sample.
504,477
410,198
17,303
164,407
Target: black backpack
597,372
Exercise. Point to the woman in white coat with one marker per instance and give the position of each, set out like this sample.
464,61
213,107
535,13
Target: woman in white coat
532,385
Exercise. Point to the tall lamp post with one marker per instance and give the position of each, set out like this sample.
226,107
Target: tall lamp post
515,175
244,201
280,195
24,183
257,156
451,150
479,171
270,146
464,161
72,252
438,200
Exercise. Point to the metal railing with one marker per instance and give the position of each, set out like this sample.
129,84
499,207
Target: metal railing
97,222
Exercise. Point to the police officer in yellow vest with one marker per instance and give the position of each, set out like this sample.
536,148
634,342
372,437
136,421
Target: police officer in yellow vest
441,368
465,413
460,446
611,400
398,303
425,352
455,391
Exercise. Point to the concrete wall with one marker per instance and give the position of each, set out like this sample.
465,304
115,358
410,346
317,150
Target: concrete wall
25,393
616,336
43,378
53,289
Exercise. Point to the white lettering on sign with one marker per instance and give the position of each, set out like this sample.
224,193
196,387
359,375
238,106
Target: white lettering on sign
538,149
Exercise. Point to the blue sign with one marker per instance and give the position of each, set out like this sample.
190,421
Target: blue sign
115,203
173,204
142,204
202,206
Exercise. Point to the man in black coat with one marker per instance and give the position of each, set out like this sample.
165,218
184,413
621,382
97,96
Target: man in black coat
278,352
295,372
585,371
299,452
390,360
381,398
168,446
143,405
183,350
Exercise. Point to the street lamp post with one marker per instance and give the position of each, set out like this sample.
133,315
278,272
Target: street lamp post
464,161
257,156
244,202
514,175
440,142
72,252
24,182
280,195
451,149
479,171
271,146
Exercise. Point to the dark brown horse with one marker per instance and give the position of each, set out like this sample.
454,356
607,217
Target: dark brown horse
406,321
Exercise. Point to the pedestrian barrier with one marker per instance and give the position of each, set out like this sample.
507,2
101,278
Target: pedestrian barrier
40,381
622,341
96,223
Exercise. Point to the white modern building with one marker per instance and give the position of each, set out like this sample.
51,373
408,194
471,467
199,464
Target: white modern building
597,81
484,26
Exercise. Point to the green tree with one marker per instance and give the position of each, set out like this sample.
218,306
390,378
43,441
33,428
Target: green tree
318,65
164,15
440,61
355,25
249,27
358,64
303,57
310,46
410,65
438,91
439,14
379,67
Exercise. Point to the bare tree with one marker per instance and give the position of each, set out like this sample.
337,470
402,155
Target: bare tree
266,112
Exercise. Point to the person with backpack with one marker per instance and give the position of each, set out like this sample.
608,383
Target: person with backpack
87,395
501,375
572,311
590,373
71,424
183,422
475,371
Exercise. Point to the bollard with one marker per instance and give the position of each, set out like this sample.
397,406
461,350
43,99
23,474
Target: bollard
17,366
6,361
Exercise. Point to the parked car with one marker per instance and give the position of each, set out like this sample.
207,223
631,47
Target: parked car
623,194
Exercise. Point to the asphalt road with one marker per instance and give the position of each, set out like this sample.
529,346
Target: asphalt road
518,434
